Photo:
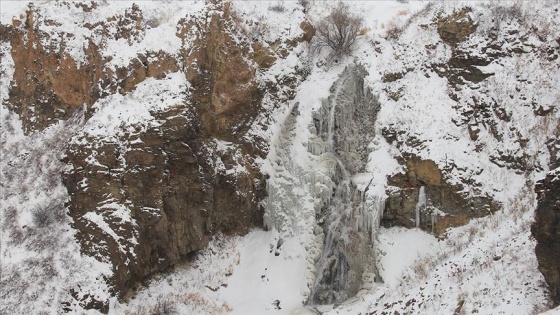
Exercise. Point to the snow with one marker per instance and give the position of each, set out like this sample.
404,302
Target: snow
249,293
72,19
124,113
241,274
41,262
400,248
11,9
489,264
98,220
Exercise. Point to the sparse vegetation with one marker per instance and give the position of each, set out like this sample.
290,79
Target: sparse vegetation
43,216
403,12
394,30
278,7
163,307
339,31
305,5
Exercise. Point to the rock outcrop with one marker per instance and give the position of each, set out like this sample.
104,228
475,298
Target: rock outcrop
146,195
150,199
146,198
440,205
49,85
224,90
546,230
456,27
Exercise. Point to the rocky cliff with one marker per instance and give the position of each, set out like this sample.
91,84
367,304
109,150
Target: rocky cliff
546,230
467,47
139,136
154,192
49,82
148,192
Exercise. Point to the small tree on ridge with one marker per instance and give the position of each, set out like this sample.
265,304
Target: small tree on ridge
339,31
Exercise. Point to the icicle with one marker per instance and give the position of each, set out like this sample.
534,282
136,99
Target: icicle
421,204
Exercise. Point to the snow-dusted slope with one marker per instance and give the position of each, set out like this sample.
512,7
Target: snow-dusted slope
489,136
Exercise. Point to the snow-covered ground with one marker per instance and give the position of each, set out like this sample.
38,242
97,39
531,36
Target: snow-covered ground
485,267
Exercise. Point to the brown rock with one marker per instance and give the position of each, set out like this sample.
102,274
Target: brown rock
308,31
446,205
172,182
456,27
222,81
441,224
263,56
49,85
169,185
425,172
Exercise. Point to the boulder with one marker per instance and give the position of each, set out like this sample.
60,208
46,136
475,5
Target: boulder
456,27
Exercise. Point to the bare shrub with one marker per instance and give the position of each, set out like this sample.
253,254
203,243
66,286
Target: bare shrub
44,216
163,307
403,12
502,12
339,31
258,29
420,270
277,7
393,29
305,5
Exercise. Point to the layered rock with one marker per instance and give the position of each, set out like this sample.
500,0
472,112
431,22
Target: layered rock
546,230
493,116
148,194
224,90
147,200
49,84
423,198
456,27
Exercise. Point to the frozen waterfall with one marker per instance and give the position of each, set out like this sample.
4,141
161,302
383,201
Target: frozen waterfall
420,205
316,196
350,219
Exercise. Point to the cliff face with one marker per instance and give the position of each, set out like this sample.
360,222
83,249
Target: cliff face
163,192
159,190
136,133
224,89
440,204
503,129
49,84
146,194
546,230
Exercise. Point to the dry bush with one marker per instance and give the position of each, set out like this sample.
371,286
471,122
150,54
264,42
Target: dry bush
162,307
393,29
305,5
338,31
403,12
501,12
277,7
43,216
420,269
364,31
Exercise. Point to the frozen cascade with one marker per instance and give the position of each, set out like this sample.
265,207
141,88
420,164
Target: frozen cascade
314,197
421,204
331,123
350,219
283,210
